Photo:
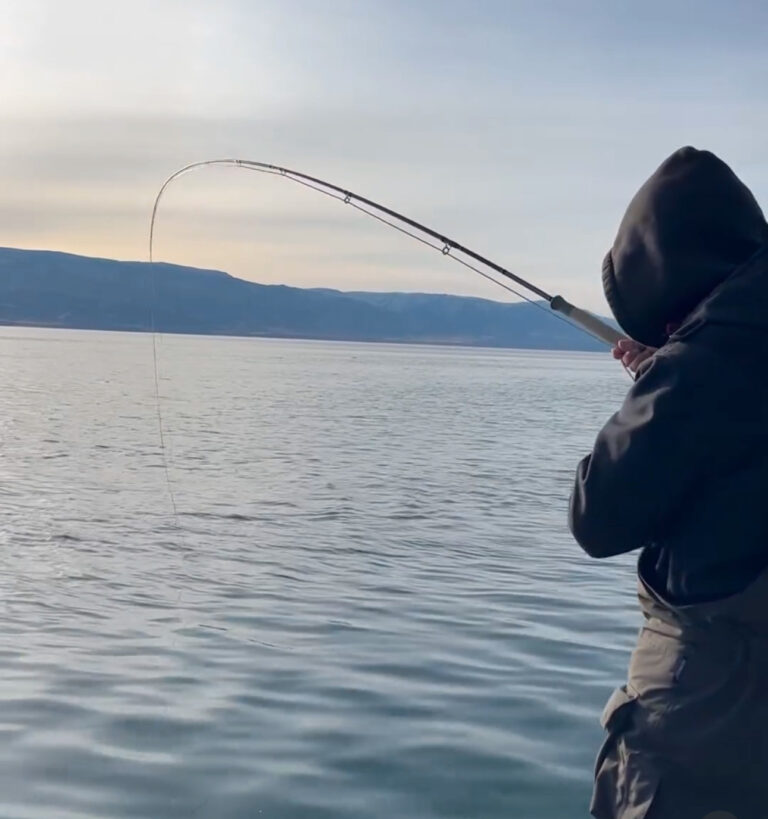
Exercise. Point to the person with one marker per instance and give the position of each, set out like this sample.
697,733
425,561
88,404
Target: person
680,473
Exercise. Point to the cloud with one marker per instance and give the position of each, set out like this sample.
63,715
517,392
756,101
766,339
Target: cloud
520,129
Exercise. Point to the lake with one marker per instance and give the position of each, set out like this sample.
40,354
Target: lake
347,589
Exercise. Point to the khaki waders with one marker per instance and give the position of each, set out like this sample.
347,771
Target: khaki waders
687,736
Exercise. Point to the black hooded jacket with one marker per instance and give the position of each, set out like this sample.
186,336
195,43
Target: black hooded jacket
682,468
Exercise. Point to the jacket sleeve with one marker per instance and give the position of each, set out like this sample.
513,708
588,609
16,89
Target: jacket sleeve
649,457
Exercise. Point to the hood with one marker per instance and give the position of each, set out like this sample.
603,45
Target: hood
687,229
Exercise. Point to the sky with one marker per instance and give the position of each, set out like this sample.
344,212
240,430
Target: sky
520,129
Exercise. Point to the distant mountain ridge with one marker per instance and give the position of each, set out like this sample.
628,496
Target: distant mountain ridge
52,289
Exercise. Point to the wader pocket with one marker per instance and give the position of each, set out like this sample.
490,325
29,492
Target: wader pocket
626,781
658,662
616,712
695,701
615,718
669,671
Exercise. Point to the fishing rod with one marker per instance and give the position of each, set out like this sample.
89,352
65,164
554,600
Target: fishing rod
559,307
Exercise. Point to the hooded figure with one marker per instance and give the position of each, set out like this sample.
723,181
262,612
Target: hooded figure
679,473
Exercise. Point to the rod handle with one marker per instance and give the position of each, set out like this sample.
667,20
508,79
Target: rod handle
607,334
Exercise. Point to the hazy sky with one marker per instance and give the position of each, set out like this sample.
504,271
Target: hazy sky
519,128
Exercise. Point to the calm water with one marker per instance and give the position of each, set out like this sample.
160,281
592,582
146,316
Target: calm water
367,605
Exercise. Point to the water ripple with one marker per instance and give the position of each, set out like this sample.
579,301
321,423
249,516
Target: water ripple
368,605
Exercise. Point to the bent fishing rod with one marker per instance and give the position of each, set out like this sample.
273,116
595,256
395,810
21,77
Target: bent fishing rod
559,307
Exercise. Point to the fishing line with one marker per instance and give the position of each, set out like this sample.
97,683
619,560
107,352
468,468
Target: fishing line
423,241
404,231
158,403
558,308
